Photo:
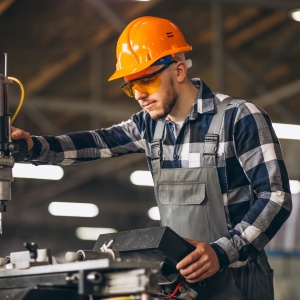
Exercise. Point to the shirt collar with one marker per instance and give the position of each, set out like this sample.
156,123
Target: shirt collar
205,100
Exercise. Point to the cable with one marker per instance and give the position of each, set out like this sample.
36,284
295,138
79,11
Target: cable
173,293
120,298
21,99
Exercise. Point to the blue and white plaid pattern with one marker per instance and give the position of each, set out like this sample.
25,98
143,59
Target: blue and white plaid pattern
249,158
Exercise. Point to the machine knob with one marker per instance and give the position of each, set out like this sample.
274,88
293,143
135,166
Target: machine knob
94,277
71,256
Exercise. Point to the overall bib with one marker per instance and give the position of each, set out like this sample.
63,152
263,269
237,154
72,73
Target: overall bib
190,202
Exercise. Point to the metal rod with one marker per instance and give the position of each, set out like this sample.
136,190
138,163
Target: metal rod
5,65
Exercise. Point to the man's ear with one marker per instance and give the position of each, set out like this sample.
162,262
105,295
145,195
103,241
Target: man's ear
180,71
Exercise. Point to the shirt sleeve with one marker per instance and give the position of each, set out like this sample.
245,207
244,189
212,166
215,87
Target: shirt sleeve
77,147
258,151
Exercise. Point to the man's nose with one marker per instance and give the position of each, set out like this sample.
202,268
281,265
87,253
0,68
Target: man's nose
139,95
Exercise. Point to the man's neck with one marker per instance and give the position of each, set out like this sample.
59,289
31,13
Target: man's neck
184,104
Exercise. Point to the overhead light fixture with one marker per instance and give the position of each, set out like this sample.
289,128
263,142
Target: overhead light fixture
22,170
295,14
141,178
153,213
145,178
92,233
287,131
295,186
73,209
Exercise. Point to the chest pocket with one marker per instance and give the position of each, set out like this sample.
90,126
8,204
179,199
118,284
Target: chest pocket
181,193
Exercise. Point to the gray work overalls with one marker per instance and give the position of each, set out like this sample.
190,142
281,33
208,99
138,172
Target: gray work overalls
190,202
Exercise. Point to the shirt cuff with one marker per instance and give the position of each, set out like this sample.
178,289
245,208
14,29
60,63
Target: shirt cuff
222,255
36,149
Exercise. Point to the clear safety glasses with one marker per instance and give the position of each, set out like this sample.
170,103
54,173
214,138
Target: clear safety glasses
148,84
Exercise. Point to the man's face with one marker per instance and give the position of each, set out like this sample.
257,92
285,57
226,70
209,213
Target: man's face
160,103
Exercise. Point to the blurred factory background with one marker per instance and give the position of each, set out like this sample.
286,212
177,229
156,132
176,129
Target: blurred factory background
64,51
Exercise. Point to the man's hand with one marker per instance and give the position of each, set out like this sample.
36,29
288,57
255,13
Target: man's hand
200,264
17,134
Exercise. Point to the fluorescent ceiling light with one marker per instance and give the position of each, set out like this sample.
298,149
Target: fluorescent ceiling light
283,131
295,14
287,131
72,209
21,170
153,213
145,178
142,178
295,186
92,233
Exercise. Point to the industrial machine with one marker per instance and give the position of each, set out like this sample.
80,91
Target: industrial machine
137,264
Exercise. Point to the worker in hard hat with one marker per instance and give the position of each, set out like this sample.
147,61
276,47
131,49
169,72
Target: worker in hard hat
219,177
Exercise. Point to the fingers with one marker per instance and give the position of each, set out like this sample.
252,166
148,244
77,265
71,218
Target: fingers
193,256
17,134
189,259
199,269
198,276
200,264
193,242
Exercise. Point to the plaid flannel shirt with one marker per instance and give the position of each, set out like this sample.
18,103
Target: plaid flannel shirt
253,177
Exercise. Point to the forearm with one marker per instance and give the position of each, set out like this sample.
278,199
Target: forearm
85,146
257,228
60,150
69,149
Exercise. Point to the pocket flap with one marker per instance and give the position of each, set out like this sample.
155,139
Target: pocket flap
181,193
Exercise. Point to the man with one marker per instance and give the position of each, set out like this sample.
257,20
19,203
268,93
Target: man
220,184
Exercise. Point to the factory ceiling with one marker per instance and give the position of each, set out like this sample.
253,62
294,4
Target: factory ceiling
64,51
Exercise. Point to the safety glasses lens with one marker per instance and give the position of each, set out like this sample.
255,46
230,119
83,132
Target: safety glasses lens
147,85
127,88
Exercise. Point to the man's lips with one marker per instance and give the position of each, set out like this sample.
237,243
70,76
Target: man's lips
148,105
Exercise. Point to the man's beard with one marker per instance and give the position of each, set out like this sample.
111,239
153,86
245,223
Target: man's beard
170,100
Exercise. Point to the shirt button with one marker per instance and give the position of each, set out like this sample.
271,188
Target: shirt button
176,156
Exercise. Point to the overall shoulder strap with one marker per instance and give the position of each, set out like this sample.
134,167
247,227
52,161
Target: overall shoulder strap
212,136
156,144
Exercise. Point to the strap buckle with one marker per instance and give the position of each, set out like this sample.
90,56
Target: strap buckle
211,144
156,147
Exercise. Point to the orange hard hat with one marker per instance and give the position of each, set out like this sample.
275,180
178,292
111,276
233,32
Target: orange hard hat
144,41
